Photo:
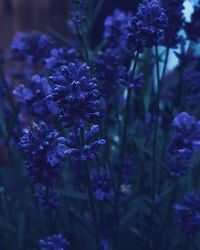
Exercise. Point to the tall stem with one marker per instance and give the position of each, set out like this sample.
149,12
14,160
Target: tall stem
122,149
182,89
165,63
154,151
90,193
181,83
83,37
126,118
157,113
168,212
95,13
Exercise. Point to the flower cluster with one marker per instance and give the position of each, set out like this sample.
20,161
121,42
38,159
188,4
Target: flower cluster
59,57
188,214
31,47
184,141
76,95
174,12
47,198
106,65
87,149
55,242
147,26
88,125
116,27
43,154
101,184
125,78
191,80
32,98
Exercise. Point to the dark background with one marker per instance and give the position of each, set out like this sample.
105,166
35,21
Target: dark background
26,15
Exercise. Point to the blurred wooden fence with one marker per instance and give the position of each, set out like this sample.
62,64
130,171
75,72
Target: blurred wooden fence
24,15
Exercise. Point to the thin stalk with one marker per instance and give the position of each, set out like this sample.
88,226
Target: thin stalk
182,89
166,136
168,212
154,151
58,35
107,150
84,42
90,193
157,113
165,63
181,84
126,117
96,12
122,150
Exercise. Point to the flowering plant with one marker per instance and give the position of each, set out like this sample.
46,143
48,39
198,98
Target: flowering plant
99,145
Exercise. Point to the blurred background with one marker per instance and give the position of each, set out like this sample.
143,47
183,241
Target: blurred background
27,15
46,15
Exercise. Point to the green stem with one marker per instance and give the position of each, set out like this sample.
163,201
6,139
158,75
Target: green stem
126,118
165,63
168,212
90,193
154,151
83,36
96,12
122,150
107,149
182,89
85,44
157,113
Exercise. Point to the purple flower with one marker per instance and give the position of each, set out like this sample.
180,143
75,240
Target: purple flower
76,95
106,64
191,80
55,242
47,199
89,149
116,27
101,184
31,47
125,78
188,214
147,26
184,141
32,98
174,12
59,57
42,152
